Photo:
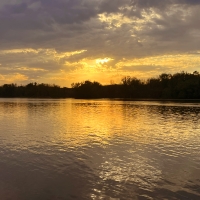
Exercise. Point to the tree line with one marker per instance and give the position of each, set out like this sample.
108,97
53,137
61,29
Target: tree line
181,85
35,90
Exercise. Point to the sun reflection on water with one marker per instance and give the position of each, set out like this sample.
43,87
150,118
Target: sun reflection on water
116,148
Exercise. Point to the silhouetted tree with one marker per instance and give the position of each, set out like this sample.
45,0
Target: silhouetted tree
87,89
181,85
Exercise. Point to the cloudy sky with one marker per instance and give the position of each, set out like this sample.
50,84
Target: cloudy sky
66,41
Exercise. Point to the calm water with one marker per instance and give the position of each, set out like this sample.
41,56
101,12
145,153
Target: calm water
98,149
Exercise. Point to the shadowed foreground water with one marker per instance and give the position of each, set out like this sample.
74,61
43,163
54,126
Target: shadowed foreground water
98,149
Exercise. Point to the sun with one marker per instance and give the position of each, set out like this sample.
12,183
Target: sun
103,60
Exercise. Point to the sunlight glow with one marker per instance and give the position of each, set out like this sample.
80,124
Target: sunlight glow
12,78
103,60
30,69
99,69
51,52
114,20
17,51
68,54
177,60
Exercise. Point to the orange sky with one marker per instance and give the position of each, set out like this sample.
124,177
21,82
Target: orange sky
62,42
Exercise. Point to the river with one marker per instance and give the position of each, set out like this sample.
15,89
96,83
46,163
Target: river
56,149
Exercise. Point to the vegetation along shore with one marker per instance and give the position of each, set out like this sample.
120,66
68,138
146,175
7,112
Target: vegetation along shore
181,85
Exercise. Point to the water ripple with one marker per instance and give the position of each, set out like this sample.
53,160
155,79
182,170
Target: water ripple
99,149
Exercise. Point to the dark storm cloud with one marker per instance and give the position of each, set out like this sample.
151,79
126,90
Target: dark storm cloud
45,24
163,3
66,24
112,6
63,12
15,9
46,12
43,14
191,2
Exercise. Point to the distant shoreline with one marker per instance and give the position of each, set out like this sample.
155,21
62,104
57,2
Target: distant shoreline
131,99
166,87
117,99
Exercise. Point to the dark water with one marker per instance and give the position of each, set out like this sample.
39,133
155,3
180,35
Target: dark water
98,149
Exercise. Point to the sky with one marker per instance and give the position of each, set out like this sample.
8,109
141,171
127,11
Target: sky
65,41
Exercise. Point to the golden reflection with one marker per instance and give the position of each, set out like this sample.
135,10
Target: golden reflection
118,139
93,126
83,122
104,121
137,170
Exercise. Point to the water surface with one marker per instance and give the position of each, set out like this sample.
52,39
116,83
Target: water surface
99,149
